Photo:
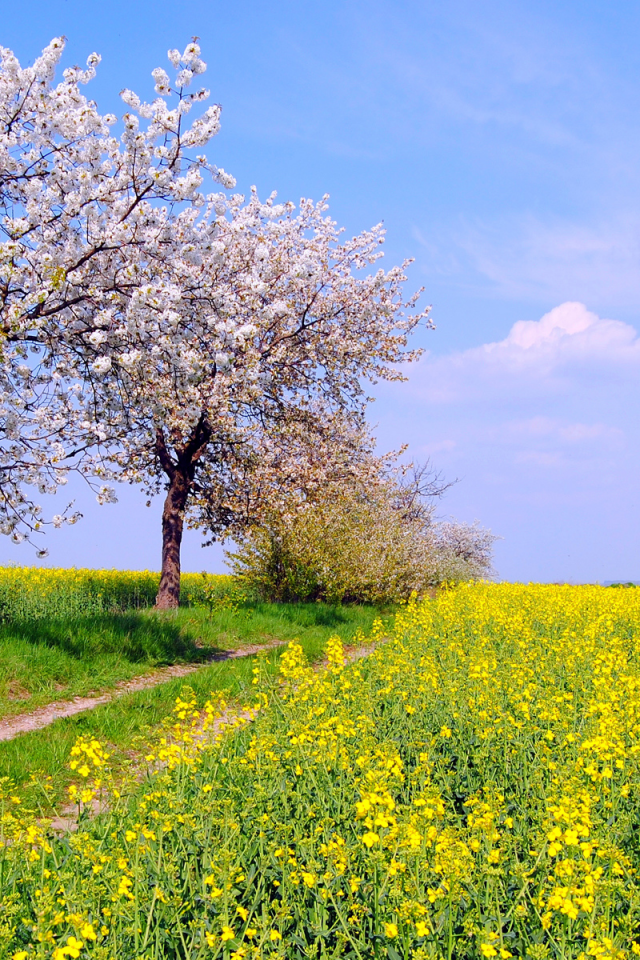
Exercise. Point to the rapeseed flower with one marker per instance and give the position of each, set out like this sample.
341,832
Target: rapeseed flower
472,788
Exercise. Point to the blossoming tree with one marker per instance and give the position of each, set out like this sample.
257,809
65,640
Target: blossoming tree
235,374
160,334
78,209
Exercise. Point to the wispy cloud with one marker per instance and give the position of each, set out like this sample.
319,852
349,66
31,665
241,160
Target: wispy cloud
523,257
560,430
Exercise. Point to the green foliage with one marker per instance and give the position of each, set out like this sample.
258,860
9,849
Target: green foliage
353,545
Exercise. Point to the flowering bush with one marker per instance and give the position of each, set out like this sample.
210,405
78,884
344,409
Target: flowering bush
470,790
370,545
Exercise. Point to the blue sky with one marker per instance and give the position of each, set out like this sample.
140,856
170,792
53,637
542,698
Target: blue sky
499,143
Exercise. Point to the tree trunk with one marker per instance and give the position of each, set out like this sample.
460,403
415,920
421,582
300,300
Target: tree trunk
180,471
172,525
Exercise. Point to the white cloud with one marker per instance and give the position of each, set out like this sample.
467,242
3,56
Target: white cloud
566,320
539,458
568,342
567,333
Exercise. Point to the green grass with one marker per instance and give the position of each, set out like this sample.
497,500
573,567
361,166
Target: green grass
43,661
126,725
56,659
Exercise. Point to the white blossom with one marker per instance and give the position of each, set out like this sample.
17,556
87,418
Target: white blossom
130,98
184,78
191,52
101,365
106,495
225,179
161,77
129,360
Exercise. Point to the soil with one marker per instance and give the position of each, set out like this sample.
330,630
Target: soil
38,719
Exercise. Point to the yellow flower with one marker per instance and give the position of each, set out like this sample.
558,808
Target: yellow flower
390,930
123,888
227,934
72,950
369,838
422,929
275,935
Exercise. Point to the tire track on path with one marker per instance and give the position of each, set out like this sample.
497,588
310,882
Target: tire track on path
11,727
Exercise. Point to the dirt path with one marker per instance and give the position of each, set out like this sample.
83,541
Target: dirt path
38,719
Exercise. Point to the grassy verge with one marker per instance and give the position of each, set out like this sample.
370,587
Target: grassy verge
131,720
58,659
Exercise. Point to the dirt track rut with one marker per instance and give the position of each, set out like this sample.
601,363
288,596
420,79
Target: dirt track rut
11,727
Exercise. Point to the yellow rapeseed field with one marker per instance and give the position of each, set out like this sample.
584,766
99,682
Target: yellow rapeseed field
469,790
28,593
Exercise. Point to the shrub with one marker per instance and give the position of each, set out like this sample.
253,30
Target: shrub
356,545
